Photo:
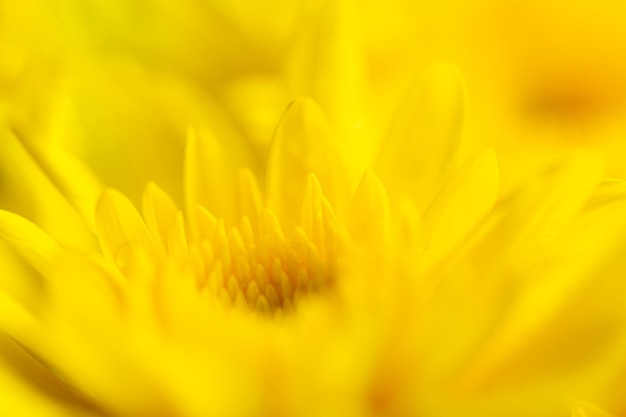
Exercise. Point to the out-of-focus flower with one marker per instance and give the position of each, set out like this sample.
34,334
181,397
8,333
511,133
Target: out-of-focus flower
545,77
415,290
548,78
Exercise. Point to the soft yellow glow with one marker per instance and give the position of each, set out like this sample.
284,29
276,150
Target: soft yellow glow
294,208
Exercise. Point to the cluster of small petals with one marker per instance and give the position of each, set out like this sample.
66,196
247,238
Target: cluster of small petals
260,270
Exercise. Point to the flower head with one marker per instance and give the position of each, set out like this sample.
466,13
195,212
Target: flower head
315,287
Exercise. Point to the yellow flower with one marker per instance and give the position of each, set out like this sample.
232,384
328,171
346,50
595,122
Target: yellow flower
411,288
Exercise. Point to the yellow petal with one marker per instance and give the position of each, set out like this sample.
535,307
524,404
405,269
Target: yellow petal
30,242
558,196
328,64
370,219
29,180
420,151
545,206
317,218
206,223
584,409
159,212
177,239
311,213
249,201
120,228
302,144
608,191
22,398
15,320
208,176
466,199
575,290
271,239
79,186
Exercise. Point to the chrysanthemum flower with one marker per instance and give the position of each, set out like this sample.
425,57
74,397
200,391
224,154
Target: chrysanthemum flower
415,289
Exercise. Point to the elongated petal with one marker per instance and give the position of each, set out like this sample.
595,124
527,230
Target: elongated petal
120,228
461,204
30,242
272,237
79,186
420,151
302,144
608,191
317,218
159,212
569,316
249,201
558,196
331,46
311,214
584,409
31,180
370,219
209,176
177,240
21,398
535,215
15,320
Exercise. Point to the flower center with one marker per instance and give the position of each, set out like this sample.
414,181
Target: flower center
252,267
265,274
